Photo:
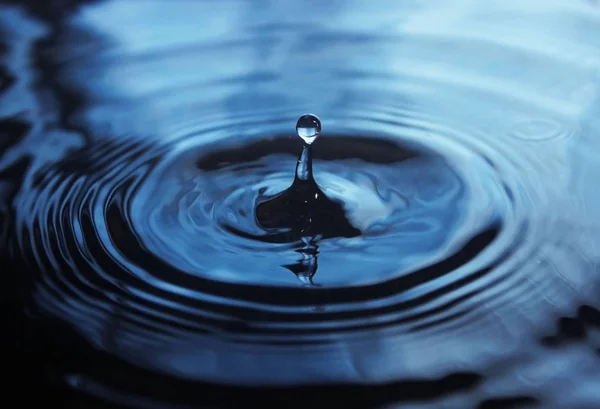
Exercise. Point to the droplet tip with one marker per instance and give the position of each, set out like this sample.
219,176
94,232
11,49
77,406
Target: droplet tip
308,128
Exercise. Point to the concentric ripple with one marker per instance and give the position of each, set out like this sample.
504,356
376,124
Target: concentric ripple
204,220
467,180
145,232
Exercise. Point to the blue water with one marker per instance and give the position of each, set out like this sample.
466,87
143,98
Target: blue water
459,139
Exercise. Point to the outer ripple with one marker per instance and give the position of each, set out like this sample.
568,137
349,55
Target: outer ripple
136,231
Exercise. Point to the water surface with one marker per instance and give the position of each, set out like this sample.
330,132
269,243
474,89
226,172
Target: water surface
461,140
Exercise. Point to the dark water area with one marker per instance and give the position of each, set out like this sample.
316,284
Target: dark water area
158,249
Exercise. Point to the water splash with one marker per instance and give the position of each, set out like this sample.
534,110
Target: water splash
303,212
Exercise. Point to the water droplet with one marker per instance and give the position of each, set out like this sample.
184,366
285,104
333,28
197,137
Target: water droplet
302,211
308,128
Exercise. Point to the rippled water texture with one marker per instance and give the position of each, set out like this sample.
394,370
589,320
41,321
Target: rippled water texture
461,139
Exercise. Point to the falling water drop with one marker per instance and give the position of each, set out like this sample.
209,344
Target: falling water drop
308,128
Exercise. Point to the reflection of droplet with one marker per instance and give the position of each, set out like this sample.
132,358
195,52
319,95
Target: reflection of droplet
540,130
308,128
